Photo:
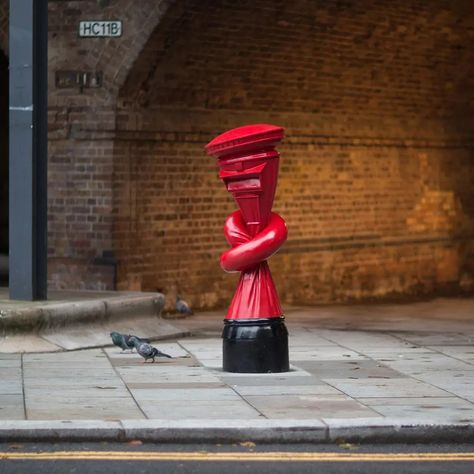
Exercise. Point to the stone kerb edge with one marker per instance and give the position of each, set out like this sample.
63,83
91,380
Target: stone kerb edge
57,315
282,431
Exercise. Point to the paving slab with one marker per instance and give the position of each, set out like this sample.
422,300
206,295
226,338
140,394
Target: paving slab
18,343
450,409
383,354
11,387
303,406
416,363
361,340
316,388
396,387
270,380
348,369
85,412
191,394
294,374
456,382
464,353
325,353
217,409
11,407
448,338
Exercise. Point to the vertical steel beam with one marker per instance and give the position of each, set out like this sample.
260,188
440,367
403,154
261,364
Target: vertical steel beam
28,149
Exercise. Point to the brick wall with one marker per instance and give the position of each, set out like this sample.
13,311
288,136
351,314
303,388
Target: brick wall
81,134
4,26
376,174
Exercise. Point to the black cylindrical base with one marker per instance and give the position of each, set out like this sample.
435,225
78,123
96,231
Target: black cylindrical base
255,345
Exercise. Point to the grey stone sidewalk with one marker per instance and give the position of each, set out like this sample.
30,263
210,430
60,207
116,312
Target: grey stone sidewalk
350,379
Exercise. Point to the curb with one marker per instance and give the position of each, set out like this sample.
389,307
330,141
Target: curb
262,431
58,315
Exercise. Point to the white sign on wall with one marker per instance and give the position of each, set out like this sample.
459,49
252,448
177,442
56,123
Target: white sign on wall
100,29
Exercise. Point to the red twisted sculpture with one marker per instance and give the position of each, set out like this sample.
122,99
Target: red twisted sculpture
248,165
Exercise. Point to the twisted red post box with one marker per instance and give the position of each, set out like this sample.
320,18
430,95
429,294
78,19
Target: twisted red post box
255,337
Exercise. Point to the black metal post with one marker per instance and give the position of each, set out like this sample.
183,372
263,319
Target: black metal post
28,149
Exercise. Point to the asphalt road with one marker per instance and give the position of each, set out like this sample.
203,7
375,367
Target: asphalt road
137,457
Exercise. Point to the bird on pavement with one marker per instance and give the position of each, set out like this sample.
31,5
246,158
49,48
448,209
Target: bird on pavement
147,351
182,307
124,340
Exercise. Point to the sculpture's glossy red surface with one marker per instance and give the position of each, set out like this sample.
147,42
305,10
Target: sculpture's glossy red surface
248,251
248,164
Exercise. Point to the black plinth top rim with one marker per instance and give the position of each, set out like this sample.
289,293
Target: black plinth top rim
255,321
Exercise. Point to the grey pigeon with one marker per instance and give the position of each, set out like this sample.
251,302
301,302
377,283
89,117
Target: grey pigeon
119,340
147,351
124,340
182,307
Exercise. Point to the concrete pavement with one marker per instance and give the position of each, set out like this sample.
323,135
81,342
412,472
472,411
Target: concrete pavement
378,372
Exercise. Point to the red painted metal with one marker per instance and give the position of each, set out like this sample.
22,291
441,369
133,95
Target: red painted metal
248,165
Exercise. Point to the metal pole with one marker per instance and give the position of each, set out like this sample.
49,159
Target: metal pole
28,149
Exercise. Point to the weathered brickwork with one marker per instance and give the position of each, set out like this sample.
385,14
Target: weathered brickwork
376,178
81,134
4,26
376,174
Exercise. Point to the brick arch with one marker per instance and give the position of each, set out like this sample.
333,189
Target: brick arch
118,55
81,131
362,92
139,20
111,56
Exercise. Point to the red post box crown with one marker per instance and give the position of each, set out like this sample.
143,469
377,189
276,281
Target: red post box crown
248,137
